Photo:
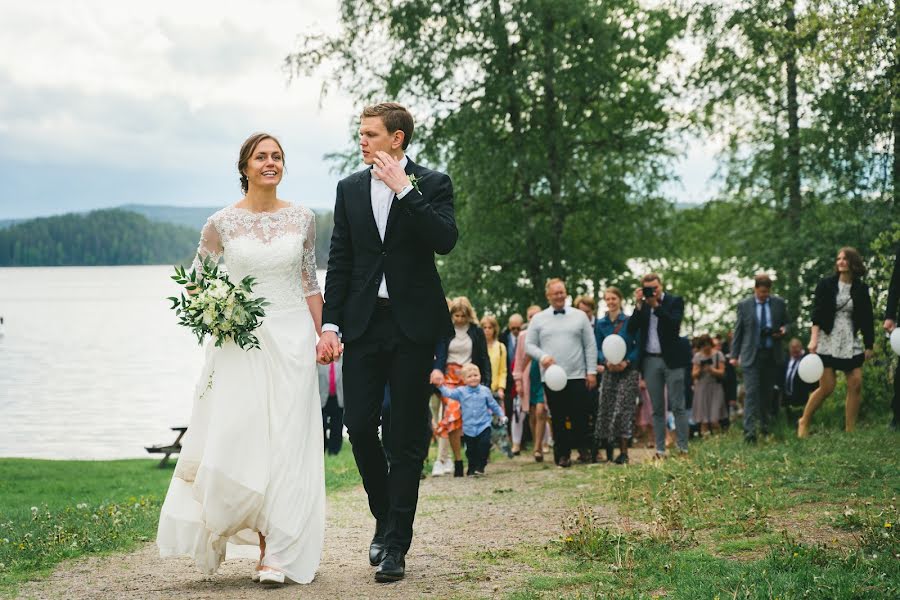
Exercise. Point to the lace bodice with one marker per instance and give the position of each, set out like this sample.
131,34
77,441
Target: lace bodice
277,248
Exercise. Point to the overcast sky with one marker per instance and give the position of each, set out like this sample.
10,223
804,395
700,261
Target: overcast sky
105,103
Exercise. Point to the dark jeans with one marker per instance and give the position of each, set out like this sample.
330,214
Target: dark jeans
570,404
384,355
478,447
333,425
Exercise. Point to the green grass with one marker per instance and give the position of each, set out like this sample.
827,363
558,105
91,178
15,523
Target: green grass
815,518
51,510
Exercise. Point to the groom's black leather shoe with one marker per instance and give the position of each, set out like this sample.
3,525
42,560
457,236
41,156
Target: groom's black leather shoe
392,568
377,551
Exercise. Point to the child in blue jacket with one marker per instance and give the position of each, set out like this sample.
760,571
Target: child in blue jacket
478,405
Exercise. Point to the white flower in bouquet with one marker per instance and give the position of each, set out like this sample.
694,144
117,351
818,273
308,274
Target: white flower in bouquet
216,307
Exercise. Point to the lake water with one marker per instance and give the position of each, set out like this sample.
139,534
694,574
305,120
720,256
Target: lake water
92,363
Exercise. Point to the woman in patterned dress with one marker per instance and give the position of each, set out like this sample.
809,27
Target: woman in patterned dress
842,309
619,387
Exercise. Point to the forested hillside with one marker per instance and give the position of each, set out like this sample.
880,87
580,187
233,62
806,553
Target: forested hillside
119,236
102,237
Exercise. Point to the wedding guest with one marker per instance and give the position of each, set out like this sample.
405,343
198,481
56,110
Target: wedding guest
794,391
331,393
890,322
644,420
842,308
443,464
509,337
620,380
730,381
762,322
588,306
467,345
561,335
496,355
478,405
709,395
664,356
527,374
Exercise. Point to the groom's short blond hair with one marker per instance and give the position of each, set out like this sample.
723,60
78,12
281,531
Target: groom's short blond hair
394,116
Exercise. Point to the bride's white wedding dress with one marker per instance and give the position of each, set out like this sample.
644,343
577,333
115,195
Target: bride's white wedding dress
252,457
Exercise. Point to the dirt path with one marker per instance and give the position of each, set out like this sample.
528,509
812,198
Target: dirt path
457,518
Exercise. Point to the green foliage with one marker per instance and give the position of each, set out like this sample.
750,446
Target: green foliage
132,235
553,119
797,92
53,510
787,518
102,237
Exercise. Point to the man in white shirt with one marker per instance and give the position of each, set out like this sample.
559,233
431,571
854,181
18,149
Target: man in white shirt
561,335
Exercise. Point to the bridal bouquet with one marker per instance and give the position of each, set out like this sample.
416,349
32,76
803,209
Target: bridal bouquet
215,306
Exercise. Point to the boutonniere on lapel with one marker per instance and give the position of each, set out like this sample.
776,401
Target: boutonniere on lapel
414,181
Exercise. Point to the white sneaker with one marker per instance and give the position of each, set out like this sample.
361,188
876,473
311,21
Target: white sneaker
438,469
448,467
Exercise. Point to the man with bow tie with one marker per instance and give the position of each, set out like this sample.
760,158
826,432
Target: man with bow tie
562,335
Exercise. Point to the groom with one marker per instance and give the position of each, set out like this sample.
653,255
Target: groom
383,297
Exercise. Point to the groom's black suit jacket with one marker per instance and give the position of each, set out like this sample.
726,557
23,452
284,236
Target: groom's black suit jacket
419,224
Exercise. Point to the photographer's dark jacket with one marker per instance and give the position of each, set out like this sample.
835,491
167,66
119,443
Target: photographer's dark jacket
676,350
747,331
825,307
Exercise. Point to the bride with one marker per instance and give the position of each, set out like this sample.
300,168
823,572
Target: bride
251,470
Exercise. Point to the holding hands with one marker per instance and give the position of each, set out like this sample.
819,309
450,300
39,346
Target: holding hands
329,348
388,169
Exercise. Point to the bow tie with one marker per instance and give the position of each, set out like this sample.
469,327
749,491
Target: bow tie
559,312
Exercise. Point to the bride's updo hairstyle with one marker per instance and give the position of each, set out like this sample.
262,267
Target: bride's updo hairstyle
247,150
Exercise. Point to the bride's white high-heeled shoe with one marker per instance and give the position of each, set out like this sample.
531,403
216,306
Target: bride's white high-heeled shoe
269,576
255,574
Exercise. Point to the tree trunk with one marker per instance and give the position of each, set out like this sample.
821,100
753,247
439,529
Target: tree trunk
792,289
895,106
553,131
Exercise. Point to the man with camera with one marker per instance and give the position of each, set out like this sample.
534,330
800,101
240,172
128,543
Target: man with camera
762,323
664,357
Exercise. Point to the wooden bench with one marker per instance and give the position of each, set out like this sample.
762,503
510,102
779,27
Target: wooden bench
168,449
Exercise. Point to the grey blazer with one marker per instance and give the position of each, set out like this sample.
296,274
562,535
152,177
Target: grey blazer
746,330
338,382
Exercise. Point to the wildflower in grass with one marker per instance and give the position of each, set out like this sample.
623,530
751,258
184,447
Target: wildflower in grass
887,524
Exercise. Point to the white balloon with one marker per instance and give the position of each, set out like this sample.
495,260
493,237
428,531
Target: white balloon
555,378
895,340
810,368
614,348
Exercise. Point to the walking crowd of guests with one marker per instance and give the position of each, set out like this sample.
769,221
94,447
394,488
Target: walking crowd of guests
664,389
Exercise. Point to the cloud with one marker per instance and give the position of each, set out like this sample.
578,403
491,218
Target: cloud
163,94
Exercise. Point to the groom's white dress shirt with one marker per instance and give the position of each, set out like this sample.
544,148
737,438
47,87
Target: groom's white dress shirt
382,199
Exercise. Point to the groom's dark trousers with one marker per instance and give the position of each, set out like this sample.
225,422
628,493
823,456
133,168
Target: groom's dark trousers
390,340
385,355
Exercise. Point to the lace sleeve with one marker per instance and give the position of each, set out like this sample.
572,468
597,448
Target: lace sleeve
210,244
308,266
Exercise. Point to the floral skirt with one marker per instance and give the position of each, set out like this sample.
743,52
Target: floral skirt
451,416
618,395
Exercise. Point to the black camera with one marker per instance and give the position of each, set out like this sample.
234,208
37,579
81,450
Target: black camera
649,291
766,332
706,362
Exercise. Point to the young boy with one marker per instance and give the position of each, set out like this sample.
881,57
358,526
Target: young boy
477,404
